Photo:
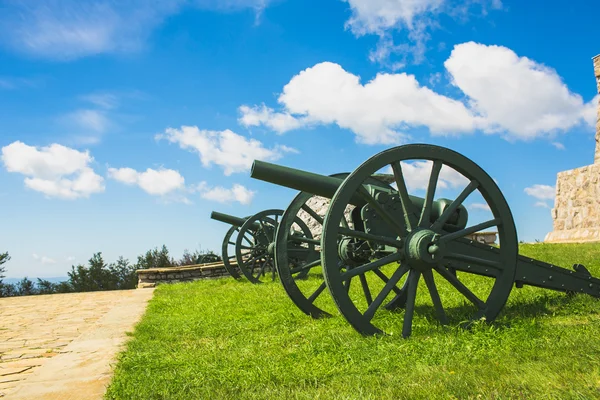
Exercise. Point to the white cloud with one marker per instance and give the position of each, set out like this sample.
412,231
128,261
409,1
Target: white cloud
506,94
55,170
70,258
263,115
233,152
416,17
88,119
541,192
70,29
43,259
479,207
516,95
542,204
377,112
558,145
220,194
417,173
155,182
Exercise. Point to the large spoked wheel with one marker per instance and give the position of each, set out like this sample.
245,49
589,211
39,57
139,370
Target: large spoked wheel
411,239
303,280
228,252
254,246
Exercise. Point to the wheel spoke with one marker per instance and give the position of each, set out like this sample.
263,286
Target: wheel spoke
367,236
407,205
435,296
399,229
385,279
424,220
306,266
460,287
370,266
391,283
454,205
366,290
470,230
413,283
312,213
317,292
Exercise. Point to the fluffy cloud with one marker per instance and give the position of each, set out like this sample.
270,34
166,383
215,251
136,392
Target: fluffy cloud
70,29
55,170
155,182
233,152
541,192
417,173
515,95
479,207
415,17
220,194
377,112
43,259
505,94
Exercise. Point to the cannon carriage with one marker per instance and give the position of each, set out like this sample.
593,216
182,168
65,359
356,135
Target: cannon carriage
391,239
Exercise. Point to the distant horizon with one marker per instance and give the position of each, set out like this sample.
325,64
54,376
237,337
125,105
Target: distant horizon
124,124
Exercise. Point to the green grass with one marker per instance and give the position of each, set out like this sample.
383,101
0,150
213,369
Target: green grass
225,339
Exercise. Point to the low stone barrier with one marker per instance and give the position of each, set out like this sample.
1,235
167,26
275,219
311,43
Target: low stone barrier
483,237
148,278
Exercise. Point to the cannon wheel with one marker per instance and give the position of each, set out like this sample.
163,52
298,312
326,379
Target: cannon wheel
254,249
289,270
225,251
415,239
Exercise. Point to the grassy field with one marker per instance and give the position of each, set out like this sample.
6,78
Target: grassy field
225,339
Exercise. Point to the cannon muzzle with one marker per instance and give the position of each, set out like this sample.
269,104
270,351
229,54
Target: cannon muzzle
326,186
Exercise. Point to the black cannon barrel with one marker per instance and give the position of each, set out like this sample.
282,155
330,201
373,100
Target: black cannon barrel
228,219
231,220
326,186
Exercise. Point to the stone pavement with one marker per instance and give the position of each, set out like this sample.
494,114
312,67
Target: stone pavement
63,346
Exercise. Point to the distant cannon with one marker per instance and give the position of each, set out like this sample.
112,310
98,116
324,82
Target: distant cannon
391,236
253,246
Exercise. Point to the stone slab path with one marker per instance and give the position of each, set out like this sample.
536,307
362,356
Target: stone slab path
63,346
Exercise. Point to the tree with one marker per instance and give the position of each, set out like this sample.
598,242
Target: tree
4,288
45,286
25,287
155,258
124,274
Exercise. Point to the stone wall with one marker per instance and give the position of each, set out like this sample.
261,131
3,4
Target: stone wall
576,212
148,278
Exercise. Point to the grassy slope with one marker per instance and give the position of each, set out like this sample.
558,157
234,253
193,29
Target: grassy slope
229,339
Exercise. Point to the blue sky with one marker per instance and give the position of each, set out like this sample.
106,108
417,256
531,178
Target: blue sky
123,126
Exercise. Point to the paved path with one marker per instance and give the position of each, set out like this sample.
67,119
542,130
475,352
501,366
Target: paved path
63,346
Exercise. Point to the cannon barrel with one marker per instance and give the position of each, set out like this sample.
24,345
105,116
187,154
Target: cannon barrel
326,186
231,220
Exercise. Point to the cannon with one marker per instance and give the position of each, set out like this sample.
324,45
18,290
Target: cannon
253,246
393,238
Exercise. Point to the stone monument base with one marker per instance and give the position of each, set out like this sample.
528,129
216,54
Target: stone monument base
576,212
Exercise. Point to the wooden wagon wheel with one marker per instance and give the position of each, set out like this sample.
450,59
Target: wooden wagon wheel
287,241
416,246
227,248
254,247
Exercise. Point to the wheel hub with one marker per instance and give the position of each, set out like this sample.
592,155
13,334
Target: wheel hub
422,249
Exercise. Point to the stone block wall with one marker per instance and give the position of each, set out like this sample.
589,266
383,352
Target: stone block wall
148,278
576,211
